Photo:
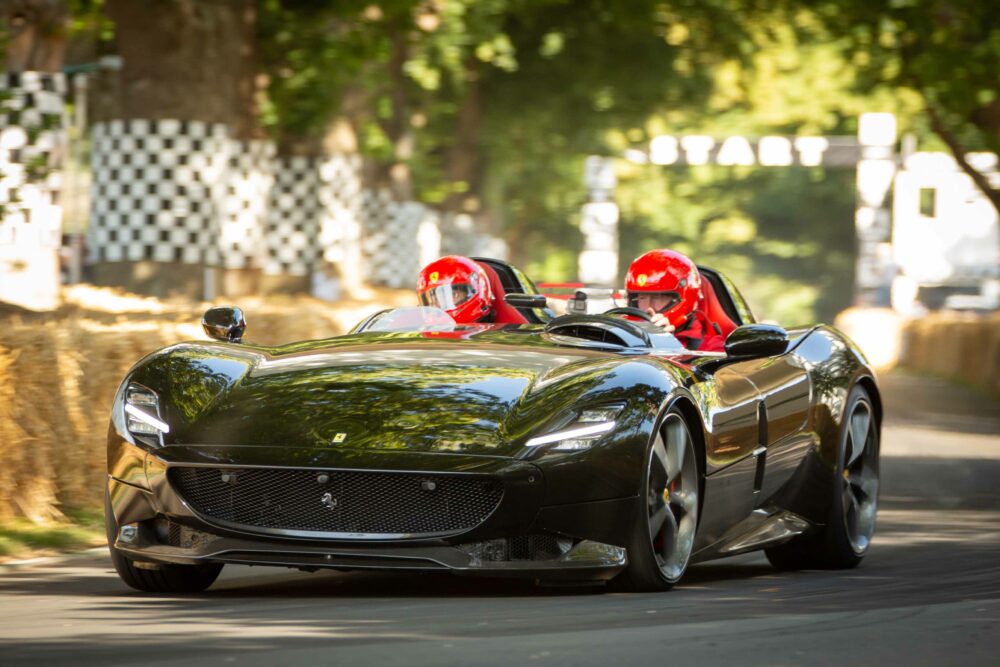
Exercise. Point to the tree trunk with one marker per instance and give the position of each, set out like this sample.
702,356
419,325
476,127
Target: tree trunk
400,132
187,59
36,32
463,158
958,151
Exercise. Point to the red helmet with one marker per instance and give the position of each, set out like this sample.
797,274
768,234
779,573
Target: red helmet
458,286
667,274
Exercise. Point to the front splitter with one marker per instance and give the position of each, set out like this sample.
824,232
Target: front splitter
586,561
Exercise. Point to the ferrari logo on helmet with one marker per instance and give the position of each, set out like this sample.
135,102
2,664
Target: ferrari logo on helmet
641,279
434,276
340,437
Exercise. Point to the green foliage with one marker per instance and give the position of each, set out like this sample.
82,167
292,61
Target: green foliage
492,106
88,20
84,528
784,236
501,101
948,51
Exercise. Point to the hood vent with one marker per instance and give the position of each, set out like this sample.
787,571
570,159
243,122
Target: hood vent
604,330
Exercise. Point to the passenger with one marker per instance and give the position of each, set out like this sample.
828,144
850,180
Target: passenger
666,285
460,287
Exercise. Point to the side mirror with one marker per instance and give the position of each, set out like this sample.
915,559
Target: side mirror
757,340
224,323
519,300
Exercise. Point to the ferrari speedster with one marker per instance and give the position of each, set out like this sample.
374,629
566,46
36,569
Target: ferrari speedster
585,447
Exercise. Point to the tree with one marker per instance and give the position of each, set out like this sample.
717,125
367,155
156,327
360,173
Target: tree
946,50
197,64
489,106
34,34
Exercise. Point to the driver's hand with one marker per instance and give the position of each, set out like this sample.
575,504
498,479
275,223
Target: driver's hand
660,320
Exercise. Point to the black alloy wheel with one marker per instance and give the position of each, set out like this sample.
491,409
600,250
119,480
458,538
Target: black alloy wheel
663,535
845,538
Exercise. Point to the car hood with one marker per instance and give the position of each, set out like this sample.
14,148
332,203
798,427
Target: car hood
377,393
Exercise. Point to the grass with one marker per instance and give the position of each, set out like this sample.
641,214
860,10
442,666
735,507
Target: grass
20,538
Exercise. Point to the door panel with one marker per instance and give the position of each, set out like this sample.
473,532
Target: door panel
786,392
729,406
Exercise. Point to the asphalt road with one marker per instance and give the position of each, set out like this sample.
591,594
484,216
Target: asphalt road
927,593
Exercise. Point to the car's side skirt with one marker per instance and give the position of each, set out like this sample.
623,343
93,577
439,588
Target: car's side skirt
761,529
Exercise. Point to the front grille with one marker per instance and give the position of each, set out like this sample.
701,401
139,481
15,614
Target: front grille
338,501
539,546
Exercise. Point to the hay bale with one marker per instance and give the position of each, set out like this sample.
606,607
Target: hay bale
962,346
59,372
877,331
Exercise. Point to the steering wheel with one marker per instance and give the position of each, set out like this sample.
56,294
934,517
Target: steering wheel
628,310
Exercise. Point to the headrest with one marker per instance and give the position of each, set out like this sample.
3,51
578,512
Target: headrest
713,309
505,313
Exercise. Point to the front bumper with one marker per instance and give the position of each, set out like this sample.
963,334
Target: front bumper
589,535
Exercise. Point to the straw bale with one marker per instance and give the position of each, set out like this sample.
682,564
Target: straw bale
958,345
59,372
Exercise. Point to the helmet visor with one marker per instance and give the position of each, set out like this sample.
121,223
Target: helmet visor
447,297
660,302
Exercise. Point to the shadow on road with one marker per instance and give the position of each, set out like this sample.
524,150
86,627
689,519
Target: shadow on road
918,557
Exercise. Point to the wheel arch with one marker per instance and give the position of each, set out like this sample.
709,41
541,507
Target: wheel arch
867,382
689,411
685,405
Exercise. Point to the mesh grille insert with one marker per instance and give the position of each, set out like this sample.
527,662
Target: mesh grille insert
338,501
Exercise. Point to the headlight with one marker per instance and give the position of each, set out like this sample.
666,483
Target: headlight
142,411
588,426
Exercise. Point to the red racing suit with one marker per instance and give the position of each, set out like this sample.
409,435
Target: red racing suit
700,334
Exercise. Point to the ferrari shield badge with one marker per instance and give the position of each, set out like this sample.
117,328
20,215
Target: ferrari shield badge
339,438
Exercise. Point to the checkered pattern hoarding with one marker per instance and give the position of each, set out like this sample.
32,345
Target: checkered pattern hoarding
248,185
32,145
340,196
32,149
291,234
174,191
157,186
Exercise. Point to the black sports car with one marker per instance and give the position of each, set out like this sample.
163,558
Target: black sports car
585,447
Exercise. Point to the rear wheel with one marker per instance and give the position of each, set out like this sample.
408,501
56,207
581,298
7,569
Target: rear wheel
168,578
664,527
843,542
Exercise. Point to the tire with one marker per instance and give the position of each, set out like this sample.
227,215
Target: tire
844,540
663,530
170,578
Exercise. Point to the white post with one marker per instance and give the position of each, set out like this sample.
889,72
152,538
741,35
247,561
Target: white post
872,218
598,262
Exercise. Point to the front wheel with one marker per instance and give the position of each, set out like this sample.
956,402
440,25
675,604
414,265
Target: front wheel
845,538
663,531
169,578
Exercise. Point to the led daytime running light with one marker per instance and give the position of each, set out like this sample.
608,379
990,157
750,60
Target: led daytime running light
147,418
582,432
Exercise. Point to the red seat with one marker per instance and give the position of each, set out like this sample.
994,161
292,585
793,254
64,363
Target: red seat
713,309
504,312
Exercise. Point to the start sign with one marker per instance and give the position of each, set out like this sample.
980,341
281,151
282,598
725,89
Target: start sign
772,151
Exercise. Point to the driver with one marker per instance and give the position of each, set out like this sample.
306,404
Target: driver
458,286
667,286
